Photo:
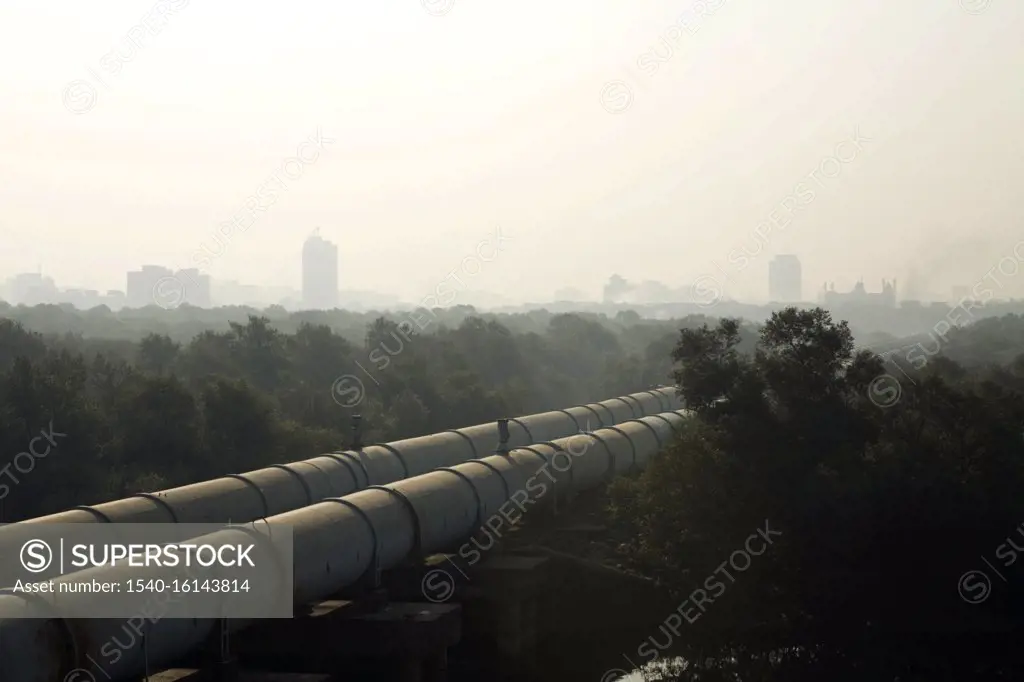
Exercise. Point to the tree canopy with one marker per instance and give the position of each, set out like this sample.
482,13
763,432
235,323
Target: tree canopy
145,411
881,506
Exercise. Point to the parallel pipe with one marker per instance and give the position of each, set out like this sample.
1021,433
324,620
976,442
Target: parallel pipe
340,540
241,498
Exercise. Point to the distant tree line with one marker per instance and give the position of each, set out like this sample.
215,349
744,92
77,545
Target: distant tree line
145,411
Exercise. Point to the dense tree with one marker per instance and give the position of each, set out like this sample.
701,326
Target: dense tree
165,409
875,508
879,510
157,353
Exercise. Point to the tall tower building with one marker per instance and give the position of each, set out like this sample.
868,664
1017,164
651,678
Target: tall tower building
319,273
785,279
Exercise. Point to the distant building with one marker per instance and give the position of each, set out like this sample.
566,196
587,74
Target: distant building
157,285
235,293
32,288
115,300
83,299
860,296
616,288
142,283
197,287
785,279
232,292
319,273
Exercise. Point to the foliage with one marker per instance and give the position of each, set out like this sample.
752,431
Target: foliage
881,509
146,411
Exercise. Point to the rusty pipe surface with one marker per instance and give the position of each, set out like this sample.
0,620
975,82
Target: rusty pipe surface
340,540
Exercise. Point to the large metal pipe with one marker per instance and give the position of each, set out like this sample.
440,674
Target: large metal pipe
339,540
241,498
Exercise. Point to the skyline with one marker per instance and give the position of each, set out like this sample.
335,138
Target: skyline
166,287
442,128
168,292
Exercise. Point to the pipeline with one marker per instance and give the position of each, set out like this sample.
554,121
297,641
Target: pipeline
241,498
339,541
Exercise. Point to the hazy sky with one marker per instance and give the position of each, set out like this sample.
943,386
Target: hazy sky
496,114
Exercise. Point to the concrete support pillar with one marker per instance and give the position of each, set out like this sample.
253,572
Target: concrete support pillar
403,641
501,598
504,615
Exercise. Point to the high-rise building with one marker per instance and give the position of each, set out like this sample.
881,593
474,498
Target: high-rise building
319,273
785,279
141,285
